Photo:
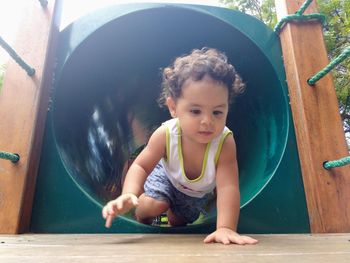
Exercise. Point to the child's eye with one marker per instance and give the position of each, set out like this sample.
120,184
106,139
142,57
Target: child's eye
195,111
217,112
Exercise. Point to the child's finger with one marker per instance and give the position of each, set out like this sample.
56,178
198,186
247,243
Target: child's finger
210,238
119,204
109,220
110,208
104,212
250,240
235,239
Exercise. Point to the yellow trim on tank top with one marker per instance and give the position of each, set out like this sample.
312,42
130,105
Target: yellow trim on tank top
204,165
167,143
221,142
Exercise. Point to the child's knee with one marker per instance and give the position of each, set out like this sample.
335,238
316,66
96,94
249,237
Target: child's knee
152,206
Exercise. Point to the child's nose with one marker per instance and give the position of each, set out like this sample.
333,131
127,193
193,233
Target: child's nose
207,119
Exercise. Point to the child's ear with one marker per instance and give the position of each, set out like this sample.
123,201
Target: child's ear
171,106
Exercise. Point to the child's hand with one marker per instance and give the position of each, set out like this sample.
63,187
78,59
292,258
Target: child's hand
227,236
119,206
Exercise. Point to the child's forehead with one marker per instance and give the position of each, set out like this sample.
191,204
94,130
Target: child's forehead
203,83
209,104
205,94
206,84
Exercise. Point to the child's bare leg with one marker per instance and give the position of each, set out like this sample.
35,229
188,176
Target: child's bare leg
149,208
174,220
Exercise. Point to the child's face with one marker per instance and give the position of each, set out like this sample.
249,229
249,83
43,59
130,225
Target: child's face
202,109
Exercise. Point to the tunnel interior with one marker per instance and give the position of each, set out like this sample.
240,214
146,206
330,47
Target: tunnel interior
107,84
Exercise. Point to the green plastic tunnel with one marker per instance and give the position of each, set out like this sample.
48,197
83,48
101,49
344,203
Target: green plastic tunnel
107,81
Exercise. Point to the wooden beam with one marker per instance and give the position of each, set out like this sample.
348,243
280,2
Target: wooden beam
23,104
171,248
317,122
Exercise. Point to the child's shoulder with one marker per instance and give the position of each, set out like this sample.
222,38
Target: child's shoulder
159,132
228,150
158,139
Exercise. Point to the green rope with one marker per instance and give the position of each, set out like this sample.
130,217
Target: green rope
43,3
30,71
303,7
336,163
298,16
301,18
346,52
9,156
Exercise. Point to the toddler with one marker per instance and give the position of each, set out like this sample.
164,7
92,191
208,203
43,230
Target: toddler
190,155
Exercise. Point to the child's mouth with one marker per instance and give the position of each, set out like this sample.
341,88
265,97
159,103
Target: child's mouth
205,133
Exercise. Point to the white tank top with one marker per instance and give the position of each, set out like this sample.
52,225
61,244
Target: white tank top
174,165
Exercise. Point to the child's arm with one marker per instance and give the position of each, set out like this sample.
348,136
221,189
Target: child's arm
136,177
228,198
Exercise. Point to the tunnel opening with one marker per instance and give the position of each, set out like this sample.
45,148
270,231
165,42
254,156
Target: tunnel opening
108,82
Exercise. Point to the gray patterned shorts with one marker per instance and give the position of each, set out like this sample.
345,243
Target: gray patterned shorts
159,187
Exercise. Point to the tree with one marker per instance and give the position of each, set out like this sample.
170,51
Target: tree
336,35
264,10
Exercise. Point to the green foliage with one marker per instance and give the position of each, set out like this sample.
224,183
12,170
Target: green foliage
337,38
264,10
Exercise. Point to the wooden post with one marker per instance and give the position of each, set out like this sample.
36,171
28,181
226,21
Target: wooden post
23,107
317,122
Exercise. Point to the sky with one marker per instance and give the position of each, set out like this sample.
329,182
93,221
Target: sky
10,14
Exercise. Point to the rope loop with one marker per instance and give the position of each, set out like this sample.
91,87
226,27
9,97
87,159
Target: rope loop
30,71
13,157
336,163
299,17
346,53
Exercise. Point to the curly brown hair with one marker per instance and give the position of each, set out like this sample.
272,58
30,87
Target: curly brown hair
195,66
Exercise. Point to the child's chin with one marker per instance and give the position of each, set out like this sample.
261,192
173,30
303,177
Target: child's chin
204,141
